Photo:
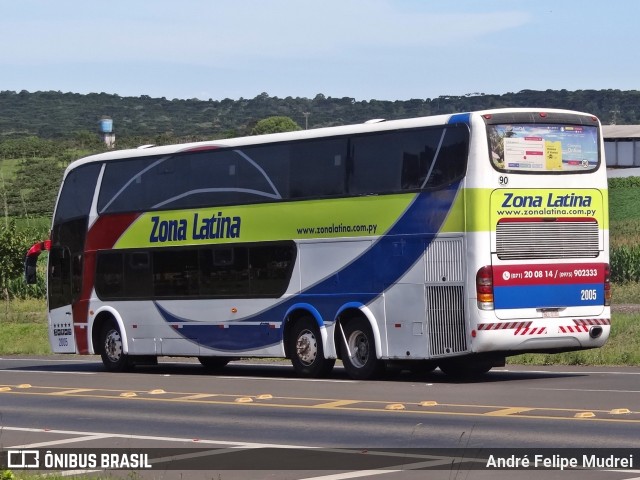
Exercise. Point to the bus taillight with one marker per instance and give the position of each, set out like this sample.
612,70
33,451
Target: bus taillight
607,284
484,288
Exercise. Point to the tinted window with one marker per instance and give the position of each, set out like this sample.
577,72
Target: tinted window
318,168
110,278
77,193
332,167
214,272
451,160
392,162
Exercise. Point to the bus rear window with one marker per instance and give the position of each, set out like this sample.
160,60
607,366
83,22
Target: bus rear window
543,148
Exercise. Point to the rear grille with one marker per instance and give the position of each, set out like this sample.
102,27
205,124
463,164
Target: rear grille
445,315
538,239
445,297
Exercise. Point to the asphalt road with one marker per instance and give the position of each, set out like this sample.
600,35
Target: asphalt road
70,402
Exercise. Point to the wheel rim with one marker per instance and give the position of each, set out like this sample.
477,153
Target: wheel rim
113,345
359,348
307,347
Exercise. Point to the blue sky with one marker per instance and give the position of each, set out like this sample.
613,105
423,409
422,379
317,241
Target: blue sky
365,49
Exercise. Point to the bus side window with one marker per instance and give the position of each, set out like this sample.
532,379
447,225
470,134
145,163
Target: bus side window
109,275
451,162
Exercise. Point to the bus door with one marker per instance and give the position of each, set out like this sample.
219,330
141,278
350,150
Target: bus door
64,277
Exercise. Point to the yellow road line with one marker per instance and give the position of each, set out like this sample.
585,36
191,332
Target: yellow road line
70,392
198,396
508,411
337,403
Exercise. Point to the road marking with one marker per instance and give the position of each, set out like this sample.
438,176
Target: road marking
391,470
508,411
337,403
86,438
378,406
150,437
70,392
585,390
17,370
198,396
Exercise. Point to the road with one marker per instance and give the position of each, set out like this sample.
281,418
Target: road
70,402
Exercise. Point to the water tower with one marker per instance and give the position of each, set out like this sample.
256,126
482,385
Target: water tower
105,130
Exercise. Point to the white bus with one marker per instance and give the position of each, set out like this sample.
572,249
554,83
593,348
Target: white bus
451,241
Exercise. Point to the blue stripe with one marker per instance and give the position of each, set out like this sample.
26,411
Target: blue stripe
367,276
460,118
548,296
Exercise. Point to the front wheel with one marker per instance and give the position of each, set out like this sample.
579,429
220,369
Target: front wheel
359,352
306,352
113,356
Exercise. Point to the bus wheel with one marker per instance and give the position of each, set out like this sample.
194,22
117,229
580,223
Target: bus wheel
113,356
359,353
214,363
307,354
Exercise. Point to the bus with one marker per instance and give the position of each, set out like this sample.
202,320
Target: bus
450,241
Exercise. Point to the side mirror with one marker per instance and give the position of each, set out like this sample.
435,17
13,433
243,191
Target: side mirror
30,270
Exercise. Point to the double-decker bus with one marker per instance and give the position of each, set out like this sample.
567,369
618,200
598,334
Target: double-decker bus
451,241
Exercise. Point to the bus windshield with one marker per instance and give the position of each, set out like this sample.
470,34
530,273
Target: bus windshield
543,148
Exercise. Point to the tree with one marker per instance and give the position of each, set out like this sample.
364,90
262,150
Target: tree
275,125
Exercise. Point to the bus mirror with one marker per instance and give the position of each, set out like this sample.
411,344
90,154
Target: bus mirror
30,270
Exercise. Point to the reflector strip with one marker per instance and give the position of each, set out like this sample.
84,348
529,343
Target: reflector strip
574,329
531,331
504,326
592,321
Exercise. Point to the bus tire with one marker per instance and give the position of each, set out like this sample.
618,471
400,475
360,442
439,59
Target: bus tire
359,354
306,351
112,353
214,363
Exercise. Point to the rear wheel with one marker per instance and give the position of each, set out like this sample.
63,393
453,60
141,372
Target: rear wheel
306,352
359,353
113,356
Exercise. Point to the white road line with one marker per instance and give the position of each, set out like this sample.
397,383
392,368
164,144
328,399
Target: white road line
86,438
59,360
151,437
343,476
584,390
48,371
396,469
568,372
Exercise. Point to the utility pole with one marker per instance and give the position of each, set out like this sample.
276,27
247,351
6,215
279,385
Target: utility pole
306,120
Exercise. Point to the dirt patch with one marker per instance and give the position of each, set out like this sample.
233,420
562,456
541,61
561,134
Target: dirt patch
626,308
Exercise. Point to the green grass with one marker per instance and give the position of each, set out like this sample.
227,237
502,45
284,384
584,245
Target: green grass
23,328
623,293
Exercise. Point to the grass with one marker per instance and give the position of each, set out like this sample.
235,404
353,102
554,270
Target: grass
23,328
624,293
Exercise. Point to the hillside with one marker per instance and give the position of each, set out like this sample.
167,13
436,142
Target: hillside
64,115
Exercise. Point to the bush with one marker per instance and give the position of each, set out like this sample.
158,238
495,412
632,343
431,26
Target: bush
14,245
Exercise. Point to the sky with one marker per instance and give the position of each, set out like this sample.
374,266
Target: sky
363,49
